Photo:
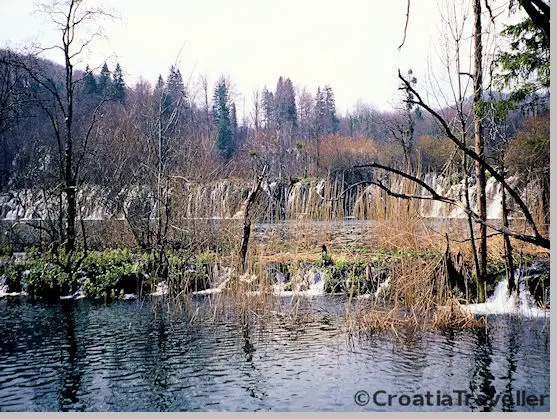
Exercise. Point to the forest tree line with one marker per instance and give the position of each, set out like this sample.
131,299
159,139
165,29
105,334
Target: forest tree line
299,133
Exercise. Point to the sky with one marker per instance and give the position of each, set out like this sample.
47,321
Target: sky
351,45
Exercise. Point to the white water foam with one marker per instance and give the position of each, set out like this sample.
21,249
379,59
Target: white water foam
382,288
4,290
500,303
11,294
216,290
314,281
162,289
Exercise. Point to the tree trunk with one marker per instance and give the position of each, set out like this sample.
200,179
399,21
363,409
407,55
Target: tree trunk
474,250
70,183
245,242
545,203
479,141
511,285
247,217
72,211
479,284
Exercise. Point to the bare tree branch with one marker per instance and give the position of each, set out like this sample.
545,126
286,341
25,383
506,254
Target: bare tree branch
544,242
537,240
406,24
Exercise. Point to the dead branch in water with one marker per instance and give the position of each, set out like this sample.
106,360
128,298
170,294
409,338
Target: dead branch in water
248,205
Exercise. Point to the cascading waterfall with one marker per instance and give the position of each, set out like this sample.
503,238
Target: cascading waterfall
443,186
522,304
223,199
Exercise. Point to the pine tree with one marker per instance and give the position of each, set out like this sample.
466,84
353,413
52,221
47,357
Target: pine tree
290,100
233,122
90,83
162,102
268,108
105,82
118,85
285,102
326,121
221,116
175,85
320,113
160,83
330,107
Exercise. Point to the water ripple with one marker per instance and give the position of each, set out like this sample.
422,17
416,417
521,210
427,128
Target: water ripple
81,356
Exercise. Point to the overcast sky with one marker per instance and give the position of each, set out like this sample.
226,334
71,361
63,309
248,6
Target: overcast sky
350,44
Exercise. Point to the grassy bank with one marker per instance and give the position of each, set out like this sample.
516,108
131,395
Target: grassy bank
405,278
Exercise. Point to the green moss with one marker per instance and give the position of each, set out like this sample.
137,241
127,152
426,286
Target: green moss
5,251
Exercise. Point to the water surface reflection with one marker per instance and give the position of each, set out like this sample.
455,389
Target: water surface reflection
133,356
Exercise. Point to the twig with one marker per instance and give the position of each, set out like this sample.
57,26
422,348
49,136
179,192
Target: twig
406,24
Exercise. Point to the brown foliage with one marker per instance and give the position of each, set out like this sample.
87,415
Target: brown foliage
529,149
336,152
435,151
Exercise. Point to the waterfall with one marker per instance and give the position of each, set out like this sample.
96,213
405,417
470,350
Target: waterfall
456,191
223,199
3,286
500,303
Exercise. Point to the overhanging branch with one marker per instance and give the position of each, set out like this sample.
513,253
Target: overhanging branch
541,241
533,239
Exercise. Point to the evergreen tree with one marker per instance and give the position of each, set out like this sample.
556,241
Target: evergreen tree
233,122
330,107
268,108
161,102
525,67
326,121
320,113
221,116
175,85
104,85
285,102
160,83
118,85
177,99
90,83
290,99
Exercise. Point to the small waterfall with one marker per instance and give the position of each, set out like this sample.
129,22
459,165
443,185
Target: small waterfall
308,281
382,288
456,191
316,282
161,289
500,303
3,286
493,192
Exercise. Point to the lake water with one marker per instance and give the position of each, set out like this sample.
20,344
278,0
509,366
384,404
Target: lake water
142,356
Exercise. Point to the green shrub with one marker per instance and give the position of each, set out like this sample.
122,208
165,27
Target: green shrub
112,272
45,280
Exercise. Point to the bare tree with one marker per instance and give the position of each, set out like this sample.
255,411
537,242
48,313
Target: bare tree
248,210
479,143
206,109
74,20
496,124
11,101
256,111
455,19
